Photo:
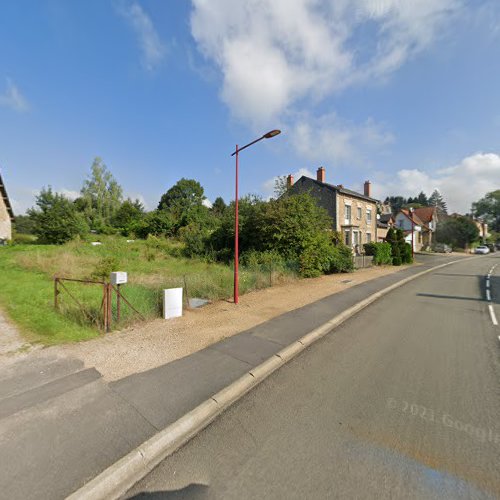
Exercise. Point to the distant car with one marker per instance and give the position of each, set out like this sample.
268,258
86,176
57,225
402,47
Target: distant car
483,249
442,248
491,247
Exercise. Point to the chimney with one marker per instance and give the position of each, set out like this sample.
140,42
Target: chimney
289,181
368,189
321,174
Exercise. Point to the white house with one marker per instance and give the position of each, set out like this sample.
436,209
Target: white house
6,214
408,222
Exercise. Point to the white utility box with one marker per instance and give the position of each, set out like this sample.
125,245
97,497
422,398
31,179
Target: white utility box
118,278
172,303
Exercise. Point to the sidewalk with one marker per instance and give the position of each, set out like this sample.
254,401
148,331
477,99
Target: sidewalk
62,424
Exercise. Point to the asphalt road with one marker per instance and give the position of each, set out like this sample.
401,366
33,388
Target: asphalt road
401,401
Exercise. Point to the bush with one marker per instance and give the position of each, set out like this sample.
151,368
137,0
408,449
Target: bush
105,267
381,252
407,257
341,259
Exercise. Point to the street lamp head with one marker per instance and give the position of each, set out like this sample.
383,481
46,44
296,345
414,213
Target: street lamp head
273,133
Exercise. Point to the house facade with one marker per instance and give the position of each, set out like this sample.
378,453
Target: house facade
412,228
384,222
429,218
6,214
354,214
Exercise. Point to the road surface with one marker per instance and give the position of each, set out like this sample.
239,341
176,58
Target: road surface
401,401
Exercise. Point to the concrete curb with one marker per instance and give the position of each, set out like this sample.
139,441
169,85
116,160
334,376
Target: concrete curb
117,479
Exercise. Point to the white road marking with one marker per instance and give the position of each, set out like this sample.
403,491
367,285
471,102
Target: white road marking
493,316
488,298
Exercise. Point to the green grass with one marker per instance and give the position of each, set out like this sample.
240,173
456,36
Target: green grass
27,285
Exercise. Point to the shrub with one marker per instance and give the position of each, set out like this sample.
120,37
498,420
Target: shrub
341,259
407,256
381,252
105,267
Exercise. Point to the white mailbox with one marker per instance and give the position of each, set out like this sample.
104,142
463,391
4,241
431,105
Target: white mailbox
118,278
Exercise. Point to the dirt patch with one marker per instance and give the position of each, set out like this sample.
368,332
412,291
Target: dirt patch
10,339
157,342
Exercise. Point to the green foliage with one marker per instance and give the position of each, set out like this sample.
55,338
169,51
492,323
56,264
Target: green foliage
488,208
105,267
24,224
128,216
381,251
395,237
101,197
219,207
406,256
437,200
156,223
185,194
56,219
457,231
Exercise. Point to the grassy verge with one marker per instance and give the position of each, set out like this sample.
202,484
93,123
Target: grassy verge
27,286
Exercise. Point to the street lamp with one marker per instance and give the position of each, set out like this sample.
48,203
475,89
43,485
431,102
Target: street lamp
269,135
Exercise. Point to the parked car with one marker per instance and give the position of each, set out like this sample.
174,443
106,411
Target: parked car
483,249
491,246
442,248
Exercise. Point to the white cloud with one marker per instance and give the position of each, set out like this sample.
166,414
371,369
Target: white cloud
153,49
328,139
12,98
272,55
69,193
268,186
459,184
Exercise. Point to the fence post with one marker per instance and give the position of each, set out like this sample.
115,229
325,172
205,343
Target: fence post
56,293
110,306
118,296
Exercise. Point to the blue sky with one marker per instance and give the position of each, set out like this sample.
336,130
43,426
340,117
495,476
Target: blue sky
400,92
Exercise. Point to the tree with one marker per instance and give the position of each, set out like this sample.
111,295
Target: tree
101,196
183,195
219,206
488,208
396,202
459,232
24,224
422,199
56,220
280,186
437,200
128,215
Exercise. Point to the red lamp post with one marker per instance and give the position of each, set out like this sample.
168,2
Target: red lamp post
269,135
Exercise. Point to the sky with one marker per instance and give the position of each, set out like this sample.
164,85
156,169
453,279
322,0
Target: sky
403,93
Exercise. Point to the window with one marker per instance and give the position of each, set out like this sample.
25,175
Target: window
356,235
368,237
348,213
368,215
359,212
347,236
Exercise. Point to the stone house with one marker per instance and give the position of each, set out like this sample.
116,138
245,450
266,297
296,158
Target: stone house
354,214
6,214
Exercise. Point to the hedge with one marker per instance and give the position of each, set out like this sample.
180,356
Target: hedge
381,252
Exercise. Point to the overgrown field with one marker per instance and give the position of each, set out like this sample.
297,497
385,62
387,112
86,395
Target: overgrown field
27,283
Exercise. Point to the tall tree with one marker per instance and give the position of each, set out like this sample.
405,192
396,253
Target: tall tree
422,199
488,208
56,220
437,200
102,195
457,231
219,206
